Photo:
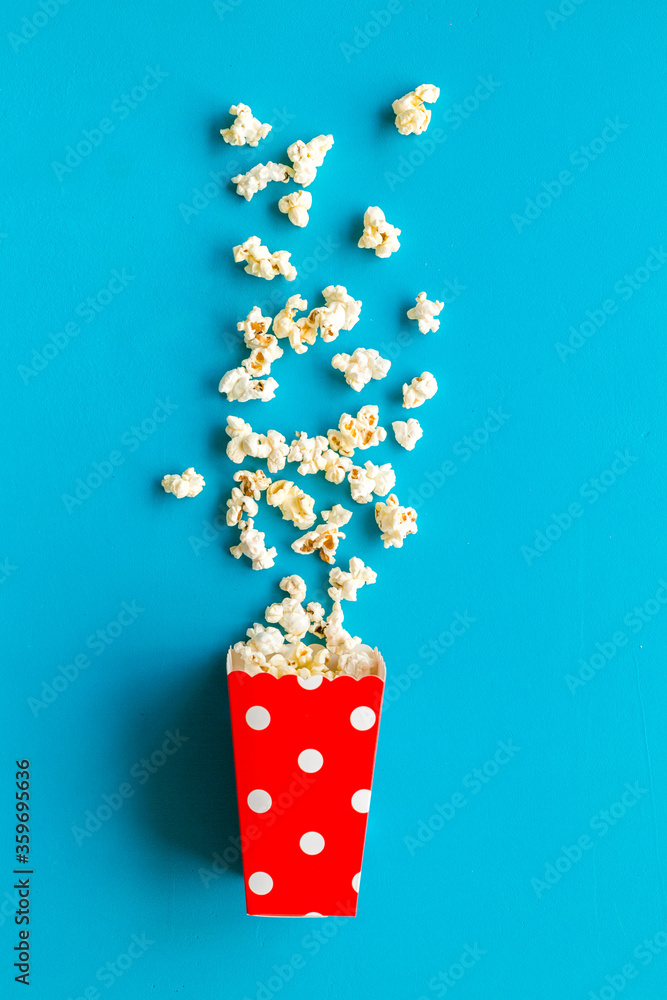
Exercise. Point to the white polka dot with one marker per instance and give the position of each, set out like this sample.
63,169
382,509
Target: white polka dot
260,801
260,883
312,842
362,717
310,683
310,760
257,717
361,800
314,913
355,881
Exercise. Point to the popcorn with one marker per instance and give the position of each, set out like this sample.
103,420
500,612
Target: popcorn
237,384
239,505
421,388
245,128
308,156
364,482
425,312
307,451
301,334
341,312
395,522
295,505
411,115
265,640
295,586
362,366
187,485
261,358
296,205
261,262
252,545
378,234
290,615
254,328
259,176
407,433
362,431
244,442
277,451
252,484
337,638
317,621
325,537
334,466
344,586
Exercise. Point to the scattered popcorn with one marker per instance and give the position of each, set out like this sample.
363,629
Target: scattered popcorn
296,205
325,537
344,586
359,368
290,615
341,312
334,466
308,156
259,176
300,335
237,384
295,586
187,485
411,115
254,328
252,545
407,432
307,451
251,484
369,480
295,505
261,262
421,388
378,234
395,522
245,128
362,431
425,312
239,506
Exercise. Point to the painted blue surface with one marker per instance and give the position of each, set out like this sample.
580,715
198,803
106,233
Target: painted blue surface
454,861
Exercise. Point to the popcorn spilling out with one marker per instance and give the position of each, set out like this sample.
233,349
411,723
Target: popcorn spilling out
257,178
245,128
251,544
308,452
378,234
325,537
187,485
411,115
237,384
245,442
291,616
308,156
295,505
369,480
421,388
407,432
296,205
261,262
362,431
362,366
425,312
395,522
344,585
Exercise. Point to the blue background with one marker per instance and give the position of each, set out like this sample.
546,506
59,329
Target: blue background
144,199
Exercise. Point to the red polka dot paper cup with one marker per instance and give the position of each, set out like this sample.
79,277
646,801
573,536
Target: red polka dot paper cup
304,752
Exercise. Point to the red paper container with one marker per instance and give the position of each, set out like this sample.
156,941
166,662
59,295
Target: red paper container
304,752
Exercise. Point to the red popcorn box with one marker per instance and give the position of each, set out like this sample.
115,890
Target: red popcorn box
304,752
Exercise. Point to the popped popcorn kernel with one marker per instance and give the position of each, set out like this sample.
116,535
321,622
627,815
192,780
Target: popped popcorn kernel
238,385
295,505
261,262
340,312
245,128
421,388
362,431
296,206
299,334
251,484
407,432
425,312
325,537
395,522
344,585
411,115
308,156
251,544
244,441
361,366
189,484
369,480
295,586
334,466
378,234
290,615
240,505
257,178
254,328
308,452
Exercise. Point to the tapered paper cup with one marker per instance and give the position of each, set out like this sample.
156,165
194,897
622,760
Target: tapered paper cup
304,752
